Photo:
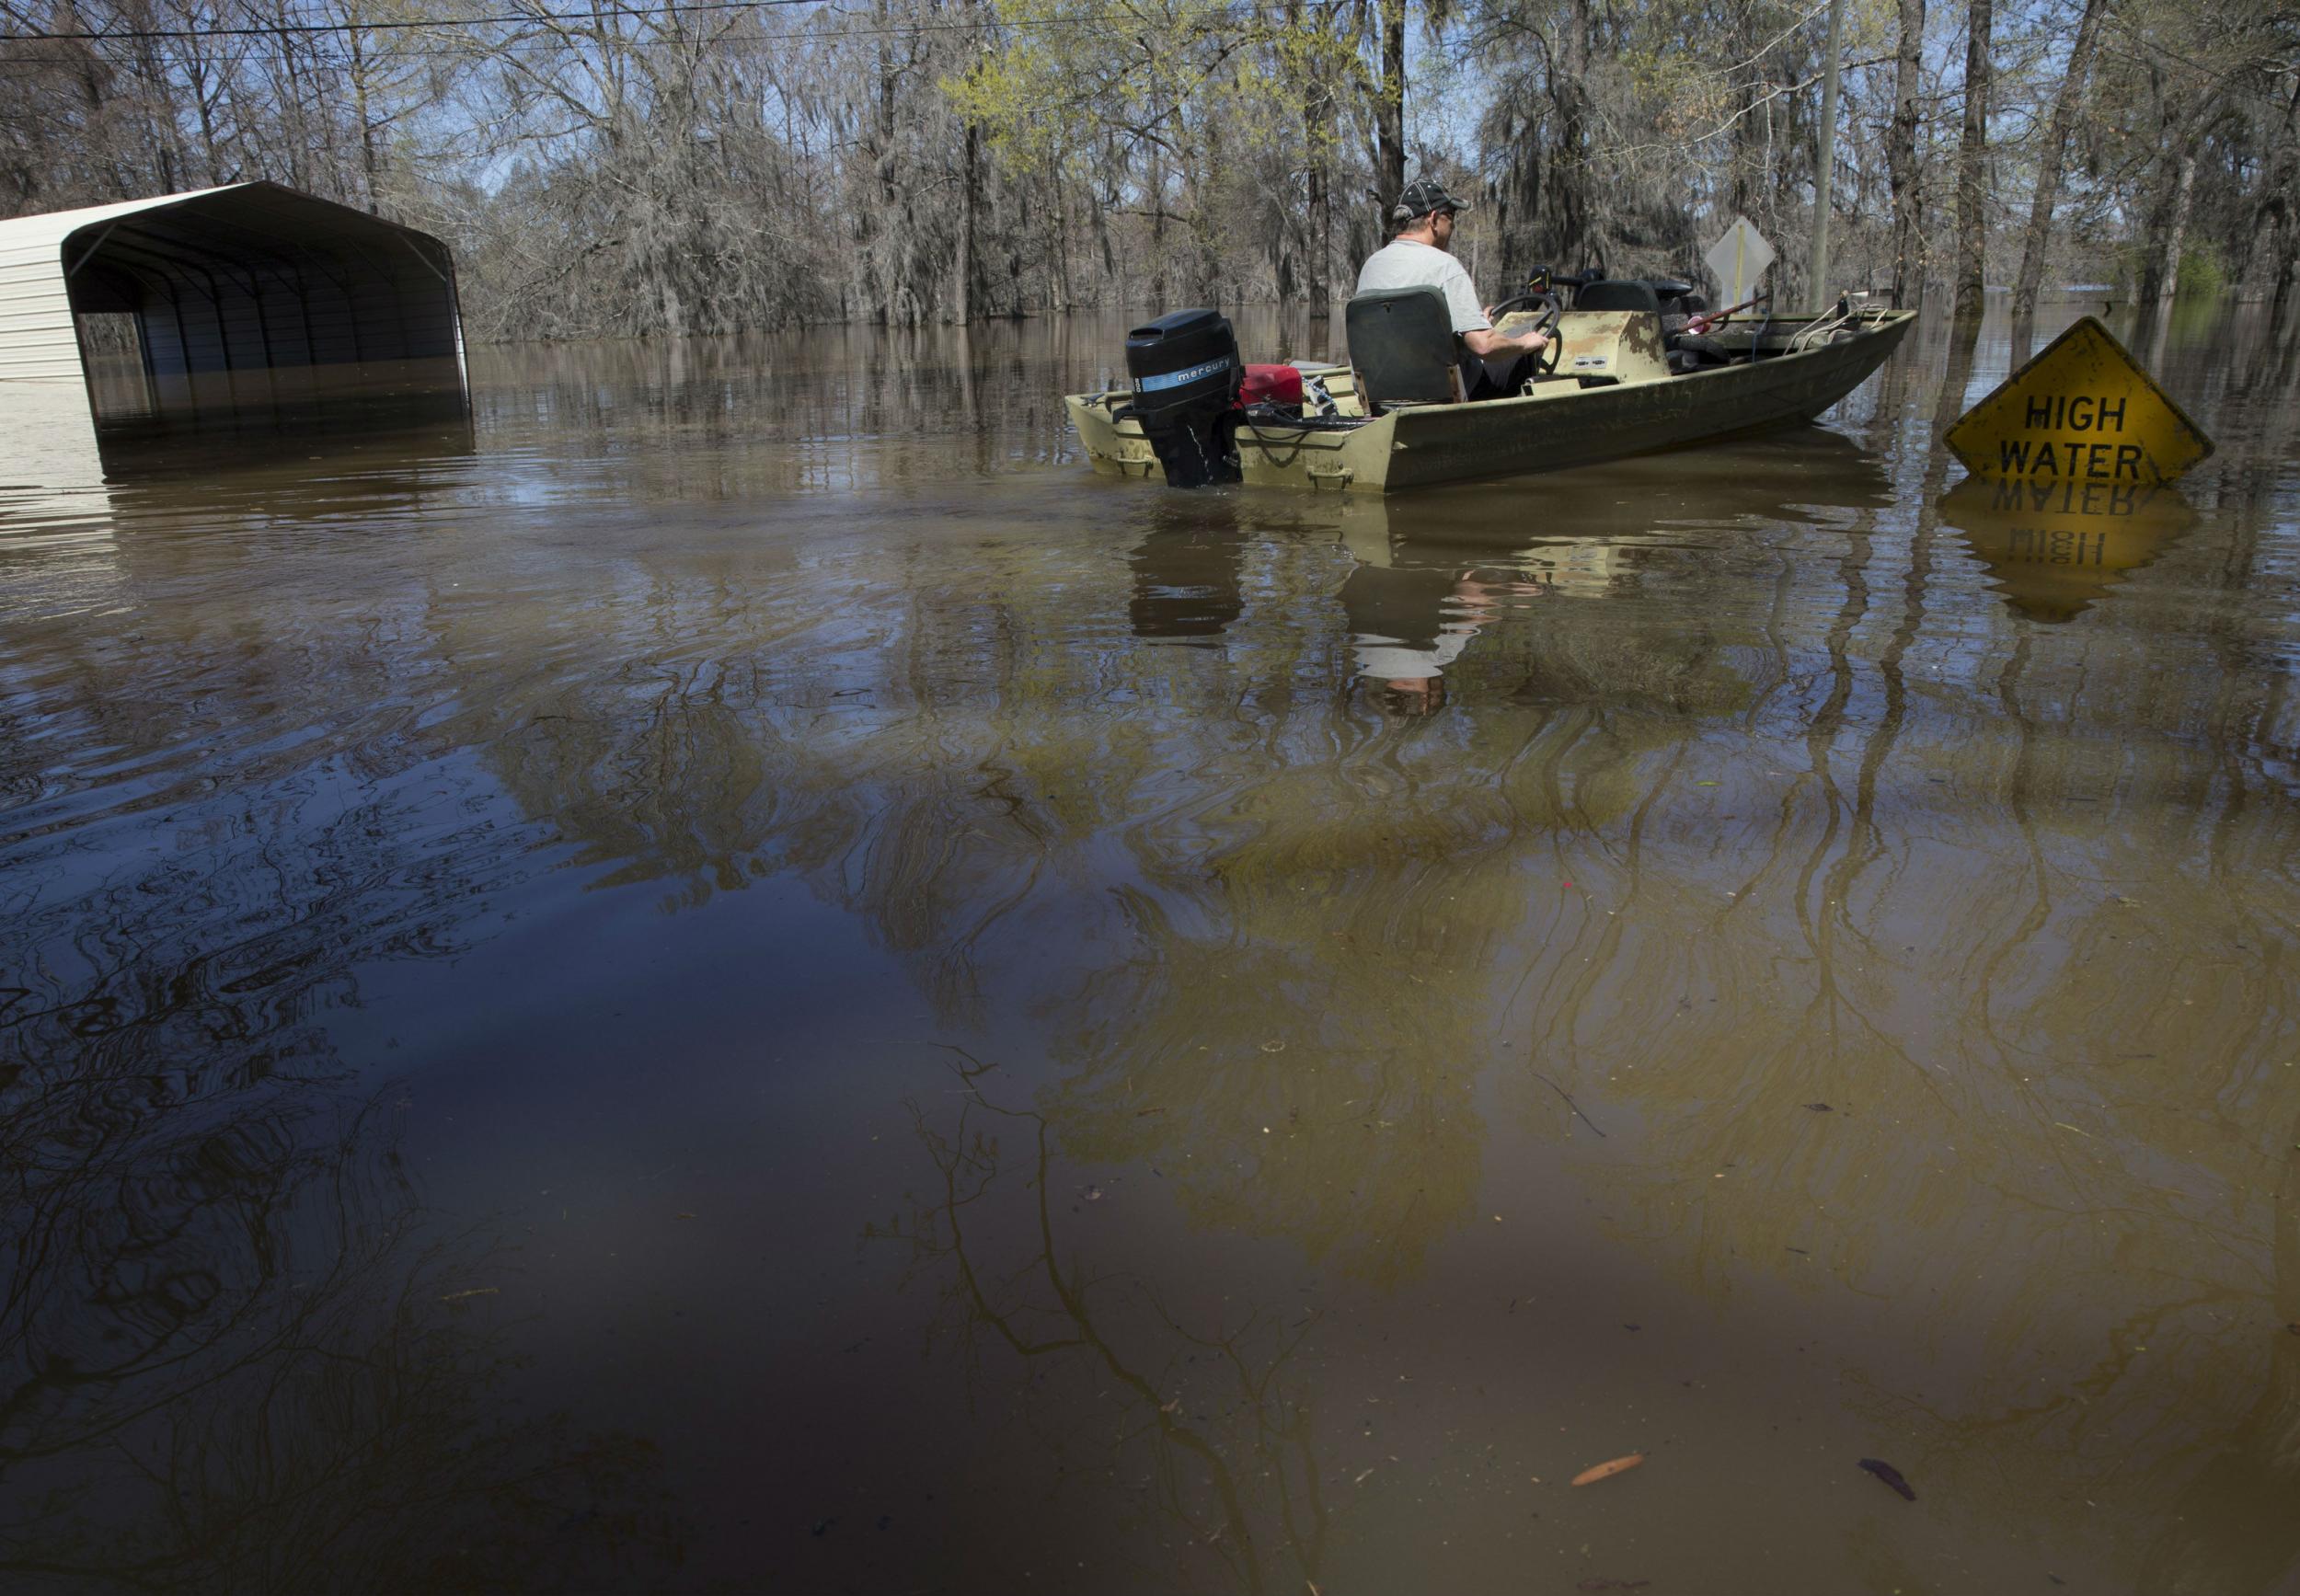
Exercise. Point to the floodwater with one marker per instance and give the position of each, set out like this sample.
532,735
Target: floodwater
745,979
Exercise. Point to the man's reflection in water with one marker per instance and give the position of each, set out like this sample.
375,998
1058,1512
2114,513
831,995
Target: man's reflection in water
1410,623
1406,627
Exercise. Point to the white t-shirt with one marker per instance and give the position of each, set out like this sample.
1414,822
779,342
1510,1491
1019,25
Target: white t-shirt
1393,660
1408,264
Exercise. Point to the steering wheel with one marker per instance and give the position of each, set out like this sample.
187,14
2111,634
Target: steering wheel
1548,303
1551,350
1546,322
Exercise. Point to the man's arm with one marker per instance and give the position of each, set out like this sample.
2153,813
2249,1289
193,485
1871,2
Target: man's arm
1476,332
1486,341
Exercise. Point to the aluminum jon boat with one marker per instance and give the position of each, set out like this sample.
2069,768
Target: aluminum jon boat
1618,385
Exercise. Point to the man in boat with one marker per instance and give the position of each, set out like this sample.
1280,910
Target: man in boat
1493,364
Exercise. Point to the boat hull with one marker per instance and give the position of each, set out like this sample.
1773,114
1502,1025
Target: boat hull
1560,424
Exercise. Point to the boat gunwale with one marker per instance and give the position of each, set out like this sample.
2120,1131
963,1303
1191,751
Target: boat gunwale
1885,321
1406,447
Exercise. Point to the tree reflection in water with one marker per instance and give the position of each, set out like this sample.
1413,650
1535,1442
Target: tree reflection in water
242,1358
1211,1434
236,1351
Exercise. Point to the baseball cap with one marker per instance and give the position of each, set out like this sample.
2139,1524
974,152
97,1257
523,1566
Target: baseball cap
1422,196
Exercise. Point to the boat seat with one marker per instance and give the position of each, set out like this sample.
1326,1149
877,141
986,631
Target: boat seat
1617,294
1401,341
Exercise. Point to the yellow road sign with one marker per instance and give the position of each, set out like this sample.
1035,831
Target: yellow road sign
2082,409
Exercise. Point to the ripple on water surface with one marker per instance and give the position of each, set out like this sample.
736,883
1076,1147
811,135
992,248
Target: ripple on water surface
742,977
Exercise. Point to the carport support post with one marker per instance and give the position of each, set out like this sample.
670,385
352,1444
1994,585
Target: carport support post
1827,168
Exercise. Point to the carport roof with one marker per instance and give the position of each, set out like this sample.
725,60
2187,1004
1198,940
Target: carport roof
248,201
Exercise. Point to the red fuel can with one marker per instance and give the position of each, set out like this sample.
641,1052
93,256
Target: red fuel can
1271,386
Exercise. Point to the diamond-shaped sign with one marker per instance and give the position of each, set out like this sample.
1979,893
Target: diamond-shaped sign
2082,409
1738,260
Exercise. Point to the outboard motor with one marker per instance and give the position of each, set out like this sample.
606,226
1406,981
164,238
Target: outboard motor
1187,374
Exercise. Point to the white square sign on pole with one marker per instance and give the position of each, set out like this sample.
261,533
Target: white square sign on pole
1738,260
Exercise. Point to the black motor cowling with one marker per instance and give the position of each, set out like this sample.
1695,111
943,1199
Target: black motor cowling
1186,374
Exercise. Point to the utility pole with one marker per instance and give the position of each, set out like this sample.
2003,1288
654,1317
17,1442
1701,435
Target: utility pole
1827,171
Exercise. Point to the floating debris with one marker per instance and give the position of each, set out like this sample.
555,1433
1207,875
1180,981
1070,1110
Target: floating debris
1607,1470
473,1292
1890,1476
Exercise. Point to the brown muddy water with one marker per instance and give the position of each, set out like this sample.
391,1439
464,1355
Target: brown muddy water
746,979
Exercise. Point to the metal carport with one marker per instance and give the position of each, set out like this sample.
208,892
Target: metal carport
250,303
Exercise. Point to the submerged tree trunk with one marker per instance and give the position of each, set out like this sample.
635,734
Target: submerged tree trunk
2168,271
1317,229
1972,164
2048,192
1389,117
970,201
1575,224
2275,247
371,163
1320,234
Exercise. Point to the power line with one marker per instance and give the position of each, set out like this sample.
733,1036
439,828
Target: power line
275,28
1117,15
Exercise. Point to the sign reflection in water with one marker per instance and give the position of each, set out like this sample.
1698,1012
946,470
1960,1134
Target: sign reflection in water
2057,548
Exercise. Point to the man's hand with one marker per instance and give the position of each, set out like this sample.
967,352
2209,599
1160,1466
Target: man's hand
1486,341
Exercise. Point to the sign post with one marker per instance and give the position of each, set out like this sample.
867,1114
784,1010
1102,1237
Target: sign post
2082,409
1826,168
